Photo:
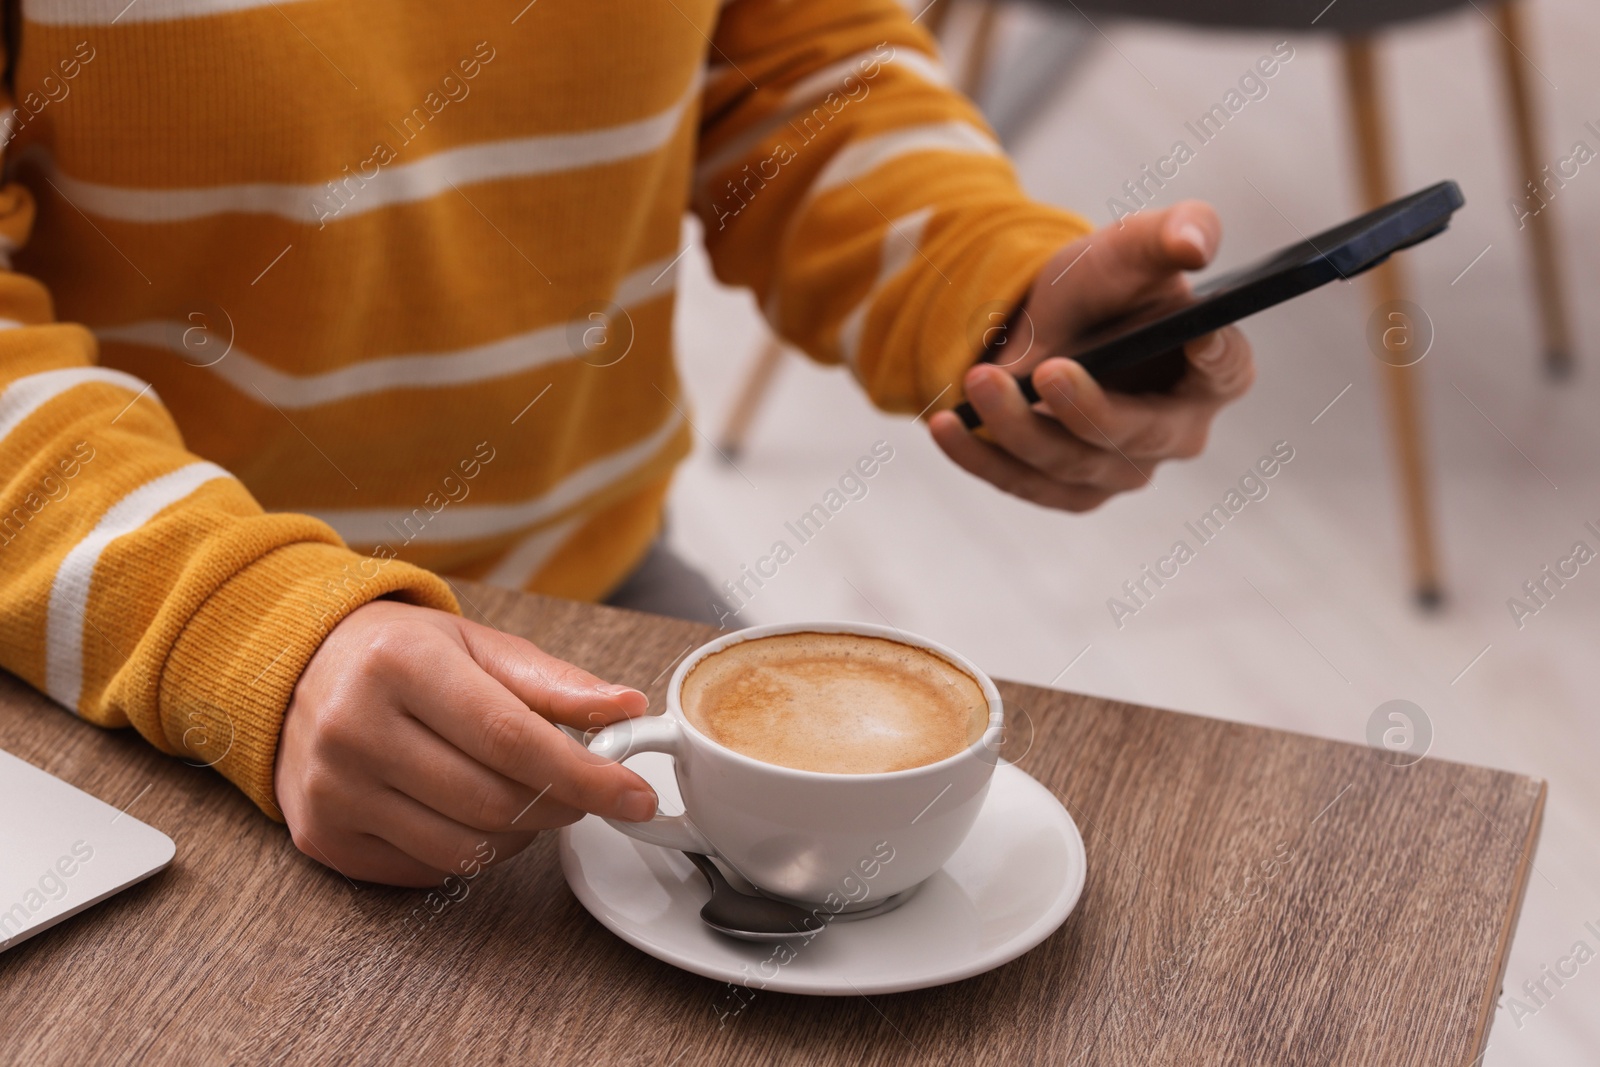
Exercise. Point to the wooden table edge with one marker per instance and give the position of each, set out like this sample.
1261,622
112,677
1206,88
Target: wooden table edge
1508,915
1508,928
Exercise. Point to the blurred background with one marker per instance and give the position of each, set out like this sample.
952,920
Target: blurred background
1301,614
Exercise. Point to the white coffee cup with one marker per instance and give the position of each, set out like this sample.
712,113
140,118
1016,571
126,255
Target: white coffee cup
846,841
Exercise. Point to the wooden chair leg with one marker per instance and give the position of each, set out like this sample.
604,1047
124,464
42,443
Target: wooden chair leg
1400,383
937,11
1541,230
754,390
980,54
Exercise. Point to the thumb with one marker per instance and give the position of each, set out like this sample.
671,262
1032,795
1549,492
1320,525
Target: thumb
559,691
1182,237
1138,263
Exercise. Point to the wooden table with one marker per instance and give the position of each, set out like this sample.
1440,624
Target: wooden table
1380,938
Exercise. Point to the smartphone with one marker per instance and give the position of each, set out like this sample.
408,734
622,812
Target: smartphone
1142,352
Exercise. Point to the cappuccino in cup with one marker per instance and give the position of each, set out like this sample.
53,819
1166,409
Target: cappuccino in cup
804,751
835,703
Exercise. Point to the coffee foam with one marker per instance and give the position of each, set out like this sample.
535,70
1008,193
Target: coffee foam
837,703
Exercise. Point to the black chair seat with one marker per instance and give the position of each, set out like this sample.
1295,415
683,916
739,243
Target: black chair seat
1344,16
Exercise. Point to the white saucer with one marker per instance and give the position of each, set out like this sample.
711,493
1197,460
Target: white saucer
1009,886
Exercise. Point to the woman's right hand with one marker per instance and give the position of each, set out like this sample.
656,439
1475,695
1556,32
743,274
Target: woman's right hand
414,737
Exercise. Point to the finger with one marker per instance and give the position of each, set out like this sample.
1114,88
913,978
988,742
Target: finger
436,774
1191,233
442,844
1141,429
1041,442
560,691
1137,263
1115,422
1182,237
361,857
1221,367
1007,473
462,704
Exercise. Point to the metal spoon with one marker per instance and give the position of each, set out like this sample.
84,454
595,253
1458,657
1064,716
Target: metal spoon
754,918
750,918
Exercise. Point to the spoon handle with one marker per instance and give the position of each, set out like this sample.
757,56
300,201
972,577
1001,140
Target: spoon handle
704,865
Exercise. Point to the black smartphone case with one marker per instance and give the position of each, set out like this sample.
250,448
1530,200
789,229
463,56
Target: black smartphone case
1149,358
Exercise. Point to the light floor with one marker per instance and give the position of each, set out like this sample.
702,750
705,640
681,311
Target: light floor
1298,616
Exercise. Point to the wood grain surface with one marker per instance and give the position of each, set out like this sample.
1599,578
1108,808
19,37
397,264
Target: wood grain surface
1378,935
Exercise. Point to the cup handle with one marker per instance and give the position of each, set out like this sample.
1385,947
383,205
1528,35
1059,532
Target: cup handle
650,733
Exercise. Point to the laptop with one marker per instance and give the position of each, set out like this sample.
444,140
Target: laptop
62,850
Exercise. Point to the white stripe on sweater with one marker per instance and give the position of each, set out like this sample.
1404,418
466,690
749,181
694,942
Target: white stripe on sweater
31,392
69,593
901,243
313,204
860,158
119,12
518,567
810,91
467,522
516,354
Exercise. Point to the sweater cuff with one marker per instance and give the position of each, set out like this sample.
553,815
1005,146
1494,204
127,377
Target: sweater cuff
227,683
988,279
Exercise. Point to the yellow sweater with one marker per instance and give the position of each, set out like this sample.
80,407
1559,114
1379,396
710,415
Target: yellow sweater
296,276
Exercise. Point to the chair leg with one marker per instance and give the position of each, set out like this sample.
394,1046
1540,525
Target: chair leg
934,14
1405,418
980,53
754,390
1541,231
